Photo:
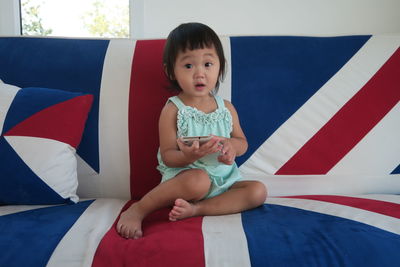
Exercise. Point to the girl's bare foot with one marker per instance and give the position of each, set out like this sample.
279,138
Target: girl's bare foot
181,210
130,222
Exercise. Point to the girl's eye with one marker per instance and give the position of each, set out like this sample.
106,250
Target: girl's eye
188,66
208,64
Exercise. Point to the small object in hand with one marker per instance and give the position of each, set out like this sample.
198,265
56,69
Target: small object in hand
188,140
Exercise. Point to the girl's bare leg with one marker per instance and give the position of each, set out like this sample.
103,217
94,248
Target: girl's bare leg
191,185
241,196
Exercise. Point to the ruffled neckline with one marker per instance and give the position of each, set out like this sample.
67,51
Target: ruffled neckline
188,112
202,112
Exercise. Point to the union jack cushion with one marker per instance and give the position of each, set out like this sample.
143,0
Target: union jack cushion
40,131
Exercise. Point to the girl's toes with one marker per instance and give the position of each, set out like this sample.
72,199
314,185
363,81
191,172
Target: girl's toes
138,234
173,213
178,209
179,202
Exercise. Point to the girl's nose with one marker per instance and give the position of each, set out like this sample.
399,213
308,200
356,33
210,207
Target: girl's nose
199,72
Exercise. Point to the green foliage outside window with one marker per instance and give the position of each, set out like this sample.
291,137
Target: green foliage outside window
31,20
102,18
100,22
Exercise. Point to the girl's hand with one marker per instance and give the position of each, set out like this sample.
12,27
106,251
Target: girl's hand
196,151
228,153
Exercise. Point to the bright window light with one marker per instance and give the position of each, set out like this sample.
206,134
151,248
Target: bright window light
75,18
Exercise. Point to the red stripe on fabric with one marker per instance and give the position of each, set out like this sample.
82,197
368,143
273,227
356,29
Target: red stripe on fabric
148,95
350,124
378,206
164,244
63,122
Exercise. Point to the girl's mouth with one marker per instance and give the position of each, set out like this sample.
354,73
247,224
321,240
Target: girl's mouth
200,86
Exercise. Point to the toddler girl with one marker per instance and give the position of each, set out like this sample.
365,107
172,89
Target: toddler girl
197,179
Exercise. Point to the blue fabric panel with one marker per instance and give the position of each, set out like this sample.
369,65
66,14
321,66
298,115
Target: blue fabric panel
67,64
277,75
285,236
28,102
29,238
28,187
397,170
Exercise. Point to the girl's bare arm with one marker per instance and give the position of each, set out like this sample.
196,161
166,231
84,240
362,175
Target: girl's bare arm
238,139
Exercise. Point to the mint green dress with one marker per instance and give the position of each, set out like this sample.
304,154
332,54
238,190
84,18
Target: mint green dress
193,122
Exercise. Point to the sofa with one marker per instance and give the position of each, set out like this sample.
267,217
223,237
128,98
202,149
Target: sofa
79,137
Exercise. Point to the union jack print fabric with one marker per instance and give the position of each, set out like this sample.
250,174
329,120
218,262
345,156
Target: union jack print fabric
324,112
40,129
322,119
328,107
312,230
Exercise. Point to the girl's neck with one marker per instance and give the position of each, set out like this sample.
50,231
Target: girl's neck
206,104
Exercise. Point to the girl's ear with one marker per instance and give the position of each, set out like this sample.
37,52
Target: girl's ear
170,76
165,68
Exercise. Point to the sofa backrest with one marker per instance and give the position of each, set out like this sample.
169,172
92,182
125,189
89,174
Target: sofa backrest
321,114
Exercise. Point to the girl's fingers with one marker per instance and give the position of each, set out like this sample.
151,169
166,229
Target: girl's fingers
211,142
219,149
215,145
210,146
180,143
195,145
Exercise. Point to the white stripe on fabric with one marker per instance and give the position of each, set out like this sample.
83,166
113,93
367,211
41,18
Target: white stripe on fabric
52,161
11,209
114,177
225,88
218,231
78,246
7,93
378,152
382,197
288,185
381,221
316,112
385,197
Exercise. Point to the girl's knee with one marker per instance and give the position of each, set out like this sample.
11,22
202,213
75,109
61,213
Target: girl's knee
258,193
197,182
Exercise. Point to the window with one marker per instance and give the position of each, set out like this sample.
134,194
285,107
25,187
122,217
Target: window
75,18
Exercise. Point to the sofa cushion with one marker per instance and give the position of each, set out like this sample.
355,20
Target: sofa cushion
40,131
324,118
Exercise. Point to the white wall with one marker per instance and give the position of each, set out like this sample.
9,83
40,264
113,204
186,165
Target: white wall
156,18
9,17
271,17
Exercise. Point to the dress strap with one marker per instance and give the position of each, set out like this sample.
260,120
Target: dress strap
178,103
220,101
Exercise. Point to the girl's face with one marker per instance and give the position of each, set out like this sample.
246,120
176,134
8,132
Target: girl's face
196,71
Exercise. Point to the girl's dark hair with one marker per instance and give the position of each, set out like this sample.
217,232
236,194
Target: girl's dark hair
191,36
